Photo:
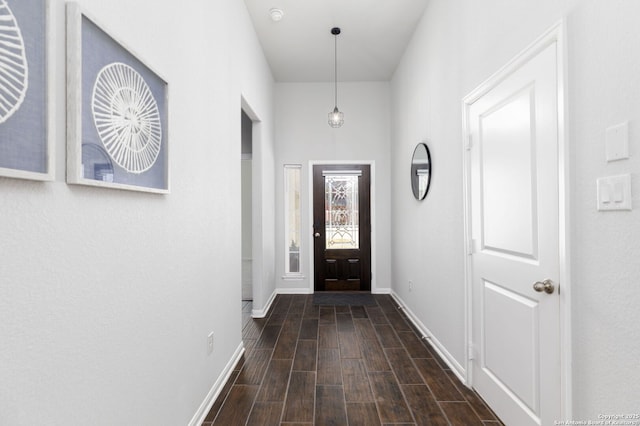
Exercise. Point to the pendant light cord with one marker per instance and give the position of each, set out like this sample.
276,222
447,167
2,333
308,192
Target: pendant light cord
335,63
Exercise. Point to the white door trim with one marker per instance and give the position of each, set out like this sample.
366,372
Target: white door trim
555,34
372,201
257,267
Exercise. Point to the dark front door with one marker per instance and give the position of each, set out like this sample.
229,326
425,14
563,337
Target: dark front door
342,227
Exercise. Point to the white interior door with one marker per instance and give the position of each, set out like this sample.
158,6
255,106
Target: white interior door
514,194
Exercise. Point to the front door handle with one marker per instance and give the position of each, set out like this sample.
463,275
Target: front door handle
546,286
317,235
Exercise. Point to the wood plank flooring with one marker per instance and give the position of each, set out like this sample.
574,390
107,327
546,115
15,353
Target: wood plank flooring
341,365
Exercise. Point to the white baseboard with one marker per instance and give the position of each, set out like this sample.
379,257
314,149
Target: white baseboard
437,346
217,387
301,290
381,291
261,313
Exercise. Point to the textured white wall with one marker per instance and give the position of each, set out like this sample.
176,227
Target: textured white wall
427,235
107,297
302,135
604,40
458,44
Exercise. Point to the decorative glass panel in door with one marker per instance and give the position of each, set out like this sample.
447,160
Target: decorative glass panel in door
342,224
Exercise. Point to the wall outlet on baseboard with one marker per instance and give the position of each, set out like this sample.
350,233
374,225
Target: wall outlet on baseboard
210,343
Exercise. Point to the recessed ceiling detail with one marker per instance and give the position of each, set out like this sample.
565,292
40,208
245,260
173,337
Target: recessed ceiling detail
276,14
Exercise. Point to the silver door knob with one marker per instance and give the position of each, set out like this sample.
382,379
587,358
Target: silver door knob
317,235
546,286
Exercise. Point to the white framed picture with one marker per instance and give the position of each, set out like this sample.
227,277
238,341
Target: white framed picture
117,112
26,123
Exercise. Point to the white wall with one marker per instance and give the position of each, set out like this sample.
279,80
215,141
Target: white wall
459,44
106,296
604,87
427,235
303,135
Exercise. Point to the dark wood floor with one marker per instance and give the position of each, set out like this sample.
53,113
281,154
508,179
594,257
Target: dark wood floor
339,365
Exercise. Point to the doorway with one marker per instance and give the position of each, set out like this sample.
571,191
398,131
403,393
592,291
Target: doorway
342,227
515,224
246,169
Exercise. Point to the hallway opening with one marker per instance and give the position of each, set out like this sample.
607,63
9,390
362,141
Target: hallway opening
246,170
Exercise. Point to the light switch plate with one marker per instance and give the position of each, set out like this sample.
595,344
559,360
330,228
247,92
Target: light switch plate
617,142
614,193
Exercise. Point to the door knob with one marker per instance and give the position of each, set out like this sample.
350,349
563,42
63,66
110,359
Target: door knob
317,235
546,286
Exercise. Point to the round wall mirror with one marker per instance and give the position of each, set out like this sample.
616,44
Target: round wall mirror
421,171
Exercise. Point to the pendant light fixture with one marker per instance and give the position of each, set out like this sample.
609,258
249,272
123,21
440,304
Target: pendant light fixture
336,118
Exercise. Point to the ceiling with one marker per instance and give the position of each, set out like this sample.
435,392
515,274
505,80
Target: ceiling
300,47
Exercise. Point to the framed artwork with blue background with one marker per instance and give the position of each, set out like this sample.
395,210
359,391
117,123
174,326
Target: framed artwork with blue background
117,112
26,126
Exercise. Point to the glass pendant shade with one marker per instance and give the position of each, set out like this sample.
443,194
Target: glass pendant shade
336,118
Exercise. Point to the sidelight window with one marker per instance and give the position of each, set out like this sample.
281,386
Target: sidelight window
292,218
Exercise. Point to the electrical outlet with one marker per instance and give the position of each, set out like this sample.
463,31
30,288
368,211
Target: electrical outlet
210,343
410,285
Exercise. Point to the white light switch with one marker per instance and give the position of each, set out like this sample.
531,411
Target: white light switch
614,193
617,142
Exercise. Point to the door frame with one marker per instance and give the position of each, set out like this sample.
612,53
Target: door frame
556,34
258,207
372,201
